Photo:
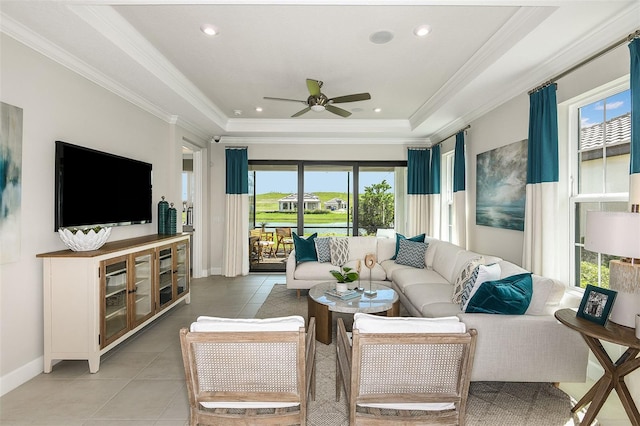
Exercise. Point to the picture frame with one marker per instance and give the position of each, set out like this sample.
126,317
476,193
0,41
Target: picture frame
596,304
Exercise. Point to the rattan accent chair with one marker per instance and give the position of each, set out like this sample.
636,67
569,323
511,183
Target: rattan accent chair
402,376
249,372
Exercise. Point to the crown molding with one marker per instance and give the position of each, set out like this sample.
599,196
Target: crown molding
317,126
306,140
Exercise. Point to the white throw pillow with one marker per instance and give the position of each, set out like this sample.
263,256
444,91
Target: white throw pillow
481,274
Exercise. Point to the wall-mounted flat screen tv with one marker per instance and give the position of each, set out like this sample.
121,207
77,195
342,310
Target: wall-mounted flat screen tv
95,188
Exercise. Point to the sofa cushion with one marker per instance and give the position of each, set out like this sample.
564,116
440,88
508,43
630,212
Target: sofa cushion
314,271
445,258
390,266
323,249
409,276
463,277
481,274
509,296
385,249
359,247
411,253
339,251
422,294
305,248
417,238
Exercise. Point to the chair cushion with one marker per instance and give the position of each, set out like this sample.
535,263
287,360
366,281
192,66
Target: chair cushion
509,296
305,248
411,253
367,323
206,323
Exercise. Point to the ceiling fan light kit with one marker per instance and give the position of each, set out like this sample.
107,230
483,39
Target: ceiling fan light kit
318,101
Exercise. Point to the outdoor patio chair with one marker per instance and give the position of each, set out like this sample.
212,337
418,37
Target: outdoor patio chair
404,370
285,239
249,371
263,246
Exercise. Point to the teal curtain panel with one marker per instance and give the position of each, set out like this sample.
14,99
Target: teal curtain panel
459,173
418,171
543,136
237,171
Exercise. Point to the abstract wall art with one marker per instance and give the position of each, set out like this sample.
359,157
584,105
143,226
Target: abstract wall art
10,182
501,180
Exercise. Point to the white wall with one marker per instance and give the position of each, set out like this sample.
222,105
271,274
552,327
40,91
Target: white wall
61,105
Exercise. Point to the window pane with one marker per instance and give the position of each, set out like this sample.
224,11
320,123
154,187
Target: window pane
605,133
592,268
376,206
328,199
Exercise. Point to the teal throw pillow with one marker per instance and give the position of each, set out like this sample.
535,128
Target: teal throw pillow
418,238
305,248
508,296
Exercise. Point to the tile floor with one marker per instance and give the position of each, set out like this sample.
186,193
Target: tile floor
141,382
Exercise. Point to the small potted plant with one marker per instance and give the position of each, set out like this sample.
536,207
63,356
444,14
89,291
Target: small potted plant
345,275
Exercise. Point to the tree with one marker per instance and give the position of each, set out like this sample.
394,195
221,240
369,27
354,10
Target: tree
375,207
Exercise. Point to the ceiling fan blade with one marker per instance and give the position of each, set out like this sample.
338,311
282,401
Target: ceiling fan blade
314,87
334,109
285,99
299,113
351,98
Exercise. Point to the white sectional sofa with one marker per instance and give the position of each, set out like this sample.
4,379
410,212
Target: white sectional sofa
533,347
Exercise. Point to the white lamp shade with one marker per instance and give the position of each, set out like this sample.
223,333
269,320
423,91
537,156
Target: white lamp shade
614,233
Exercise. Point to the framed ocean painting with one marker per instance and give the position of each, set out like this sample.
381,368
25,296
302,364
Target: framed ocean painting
501,179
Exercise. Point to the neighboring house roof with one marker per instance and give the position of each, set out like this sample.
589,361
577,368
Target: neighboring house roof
294,197
618,131
334,201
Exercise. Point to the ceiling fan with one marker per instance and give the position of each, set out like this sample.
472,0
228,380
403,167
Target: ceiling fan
318,101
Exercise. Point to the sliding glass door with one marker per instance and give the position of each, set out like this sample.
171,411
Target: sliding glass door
327,198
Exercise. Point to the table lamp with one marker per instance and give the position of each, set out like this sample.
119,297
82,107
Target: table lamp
618,234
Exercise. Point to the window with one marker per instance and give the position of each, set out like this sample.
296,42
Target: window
600,174
447,196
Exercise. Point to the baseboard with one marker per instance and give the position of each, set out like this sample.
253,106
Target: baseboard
17,377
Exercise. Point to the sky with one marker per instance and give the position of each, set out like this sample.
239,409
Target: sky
616,105
315,181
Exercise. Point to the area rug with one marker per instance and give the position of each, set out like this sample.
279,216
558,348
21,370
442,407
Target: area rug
490,403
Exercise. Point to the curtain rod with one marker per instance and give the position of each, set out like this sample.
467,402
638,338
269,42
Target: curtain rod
604,51
236,147
468,126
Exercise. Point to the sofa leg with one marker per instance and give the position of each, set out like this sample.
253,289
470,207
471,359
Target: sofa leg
298,292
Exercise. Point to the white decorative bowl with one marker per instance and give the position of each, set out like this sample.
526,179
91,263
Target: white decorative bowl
81,241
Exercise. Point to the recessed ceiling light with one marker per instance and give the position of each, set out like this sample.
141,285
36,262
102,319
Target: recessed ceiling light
422,30
381,37
259,109
209,30
356,109
377,110
237,112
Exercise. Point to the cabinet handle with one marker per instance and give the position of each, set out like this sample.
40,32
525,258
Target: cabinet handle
133,291
175,271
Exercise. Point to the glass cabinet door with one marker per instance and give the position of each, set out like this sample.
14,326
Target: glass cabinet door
182,268
141,287
114,300
165,276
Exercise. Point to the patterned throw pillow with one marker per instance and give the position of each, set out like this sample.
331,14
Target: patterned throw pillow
323,249
339,251
481,274
411,253
461,280
418,238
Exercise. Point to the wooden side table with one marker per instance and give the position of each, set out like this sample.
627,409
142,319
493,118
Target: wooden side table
614,373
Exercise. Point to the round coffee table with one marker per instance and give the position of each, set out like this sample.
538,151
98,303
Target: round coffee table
322,305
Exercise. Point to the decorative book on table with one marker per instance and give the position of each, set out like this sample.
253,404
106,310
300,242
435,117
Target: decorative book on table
349,294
